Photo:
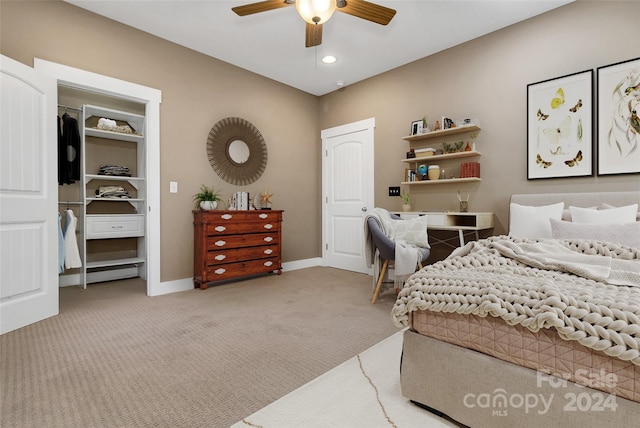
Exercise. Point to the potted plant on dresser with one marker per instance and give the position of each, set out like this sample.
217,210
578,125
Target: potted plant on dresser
207,198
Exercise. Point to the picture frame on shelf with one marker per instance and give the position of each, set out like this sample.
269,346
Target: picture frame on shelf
416,127
618,141
447,123
560,128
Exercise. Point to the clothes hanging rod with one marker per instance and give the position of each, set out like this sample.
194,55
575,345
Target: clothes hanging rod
79,110
70,203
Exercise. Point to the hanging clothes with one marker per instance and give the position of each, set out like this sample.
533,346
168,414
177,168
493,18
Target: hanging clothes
68,150
71,253
60,245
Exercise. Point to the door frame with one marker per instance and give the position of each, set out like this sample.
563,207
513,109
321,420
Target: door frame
97,83
361,125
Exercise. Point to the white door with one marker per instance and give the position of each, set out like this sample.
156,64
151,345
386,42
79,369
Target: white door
347,192
28,196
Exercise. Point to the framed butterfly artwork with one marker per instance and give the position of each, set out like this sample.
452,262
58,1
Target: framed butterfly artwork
618,118
560,127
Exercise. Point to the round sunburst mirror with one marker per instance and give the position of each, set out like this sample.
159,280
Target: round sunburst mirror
236,150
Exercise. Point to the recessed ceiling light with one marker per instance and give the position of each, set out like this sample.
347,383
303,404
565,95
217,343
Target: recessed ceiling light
329,59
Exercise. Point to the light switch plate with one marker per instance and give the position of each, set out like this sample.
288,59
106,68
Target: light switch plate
173,187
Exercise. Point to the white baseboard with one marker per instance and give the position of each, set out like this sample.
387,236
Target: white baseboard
187,283
100,276
302,264
168,287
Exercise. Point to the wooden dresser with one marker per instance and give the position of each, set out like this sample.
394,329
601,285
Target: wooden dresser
235,244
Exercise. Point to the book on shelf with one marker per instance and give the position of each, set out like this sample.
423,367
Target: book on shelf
470,169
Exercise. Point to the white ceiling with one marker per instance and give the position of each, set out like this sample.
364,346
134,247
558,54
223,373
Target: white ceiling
272,43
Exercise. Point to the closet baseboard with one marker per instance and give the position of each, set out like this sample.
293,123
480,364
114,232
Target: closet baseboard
106,275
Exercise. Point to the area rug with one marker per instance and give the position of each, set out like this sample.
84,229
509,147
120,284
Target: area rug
361,392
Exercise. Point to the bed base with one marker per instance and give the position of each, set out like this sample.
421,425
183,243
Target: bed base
480,391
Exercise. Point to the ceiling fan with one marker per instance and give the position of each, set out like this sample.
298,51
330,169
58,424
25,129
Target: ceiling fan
317,12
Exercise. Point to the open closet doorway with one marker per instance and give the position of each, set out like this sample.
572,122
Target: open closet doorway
101,187
118,123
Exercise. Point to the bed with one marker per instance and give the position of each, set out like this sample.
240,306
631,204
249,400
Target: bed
530,331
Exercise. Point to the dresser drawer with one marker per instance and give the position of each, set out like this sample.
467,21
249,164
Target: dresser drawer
216,225
238,241
268,216
240,269
258,226
114,226
239,254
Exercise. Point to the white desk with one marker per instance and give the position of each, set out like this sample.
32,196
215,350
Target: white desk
454,222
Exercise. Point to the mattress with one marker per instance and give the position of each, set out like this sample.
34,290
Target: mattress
543,350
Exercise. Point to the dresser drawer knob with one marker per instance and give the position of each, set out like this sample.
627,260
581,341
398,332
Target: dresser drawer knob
269,263
268,251
268,238
227,216
268,226
220,228
219,271
220,257
221,243
263,215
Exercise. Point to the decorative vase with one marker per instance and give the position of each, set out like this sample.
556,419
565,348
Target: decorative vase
208,205
406,207
434,172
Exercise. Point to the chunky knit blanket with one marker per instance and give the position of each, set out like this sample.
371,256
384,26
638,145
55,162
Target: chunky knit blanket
504,278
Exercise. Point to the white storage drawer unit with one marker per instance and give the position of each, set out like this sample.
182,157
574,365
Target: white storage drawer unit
115,226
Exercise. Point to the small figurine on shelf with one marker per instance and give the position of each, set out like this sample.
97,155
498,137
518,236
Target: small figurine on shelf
437,125
468,148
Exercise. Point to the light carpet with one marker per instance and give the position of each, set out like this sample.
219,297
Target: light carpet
361,392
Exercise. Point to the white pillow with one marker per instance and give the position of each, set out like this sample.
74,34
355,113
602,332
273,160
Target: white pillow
604,206
620,215
625,234
413,231
533,222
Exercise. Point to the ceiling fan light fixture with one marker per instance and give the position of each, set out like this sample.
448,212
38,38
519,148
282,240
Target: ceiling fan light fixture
316,11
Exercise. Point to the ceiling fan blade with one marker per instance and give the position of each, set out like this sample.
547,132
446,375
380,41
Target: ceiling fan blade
261,6
313,35
369,11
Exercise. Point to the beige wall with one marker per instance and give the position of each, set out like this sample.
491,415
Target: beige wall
487,78
484,78
197,91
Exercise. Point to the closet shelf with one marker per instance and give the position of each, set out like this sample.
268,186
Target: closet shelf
112,177
110,135
115,262
115,199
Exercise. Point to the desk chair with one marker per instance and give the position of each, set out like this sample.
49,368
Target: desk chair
386,250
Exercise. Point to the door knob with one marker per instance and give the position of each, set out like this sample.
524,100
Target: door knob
364,208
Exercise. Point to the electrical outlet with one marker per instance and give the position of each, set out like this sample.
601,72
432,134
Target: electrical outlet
394,191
